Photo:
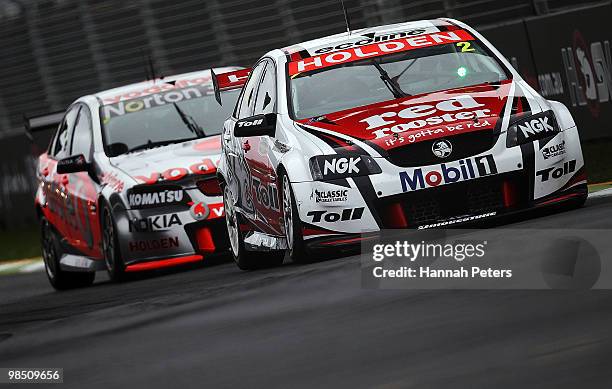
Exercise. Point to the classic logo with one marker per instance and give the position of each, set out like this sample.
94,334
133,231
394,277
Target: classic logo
536,126
557,172
332,217
341,166
448,173
330,196
442,148
152,199
155,223
554,150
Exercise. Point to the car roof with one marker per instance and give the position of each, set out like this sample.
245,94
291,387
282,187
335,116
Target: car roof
178,81
364,36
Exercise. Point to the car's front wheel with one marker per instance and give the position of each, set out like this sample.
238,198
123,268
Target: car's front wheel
110,246
245,259
52,253
293,226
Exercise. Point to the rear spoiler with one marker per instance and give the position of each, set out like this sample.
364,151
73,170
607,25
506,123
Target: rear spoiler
228,81
44,122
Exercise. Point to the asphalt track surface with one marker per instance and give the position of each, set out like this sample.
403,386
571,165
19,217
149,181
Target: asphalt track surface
310,326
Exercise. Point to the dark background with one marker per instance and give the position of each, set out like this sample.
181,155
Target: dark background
53,51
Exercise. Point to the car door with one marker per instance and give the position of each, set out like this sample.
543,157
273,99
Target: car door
56,188
239,154
83,190
265,183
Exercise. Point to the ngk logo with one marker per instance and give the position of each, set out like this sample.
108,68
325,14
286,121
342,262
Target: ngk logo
332,217
341,165
536,126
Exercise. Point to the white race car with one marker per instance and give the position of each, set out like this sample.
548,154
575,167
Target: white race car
128,182
414,125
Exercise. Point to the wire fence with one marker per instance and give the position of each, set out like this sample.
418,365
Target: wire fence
54,51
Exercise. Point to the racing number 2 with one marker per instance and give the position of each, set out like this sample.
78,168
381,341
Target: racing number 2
466,47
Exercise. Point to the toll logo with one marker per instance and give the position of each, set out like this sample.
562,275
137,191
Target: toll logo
266,194
249,123
333,217
557,172
448,173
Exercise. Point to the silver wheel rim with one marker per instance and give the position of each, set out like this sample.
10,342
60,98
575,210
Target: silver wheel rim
231,221
288,212
108,241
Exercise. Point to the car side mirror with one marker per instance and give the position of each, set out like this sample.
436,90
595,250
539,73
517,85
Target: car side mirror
258,125
116,149
74,164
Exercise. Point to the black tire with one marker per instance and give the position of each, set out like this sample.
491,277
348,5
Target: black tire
110,247
298,252
51,253
245,259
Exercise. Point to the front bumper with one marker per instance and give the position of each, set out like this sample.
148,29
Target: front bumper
494,183
168,233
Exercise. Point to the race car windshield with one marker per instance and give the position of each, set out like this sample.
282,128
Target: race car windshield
380,78
164,118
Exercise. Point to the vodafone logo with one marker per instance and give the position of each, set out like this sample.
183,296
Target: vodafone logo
199,211
377,49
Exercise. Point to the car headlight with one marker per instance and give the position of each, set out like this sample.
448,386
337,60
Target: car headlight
331,167
528,128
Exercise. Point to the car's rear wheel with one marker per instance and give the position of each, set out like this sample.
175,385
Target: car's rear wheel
245,259
293,226
52,253
110,247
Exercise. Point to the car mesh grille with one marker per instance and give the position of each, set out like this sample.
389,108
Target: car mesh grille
470,198
464,145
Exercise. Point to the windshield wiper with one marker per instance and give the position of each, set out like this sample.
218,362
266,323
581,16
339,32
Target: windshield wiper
150,144
189,122
390,83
